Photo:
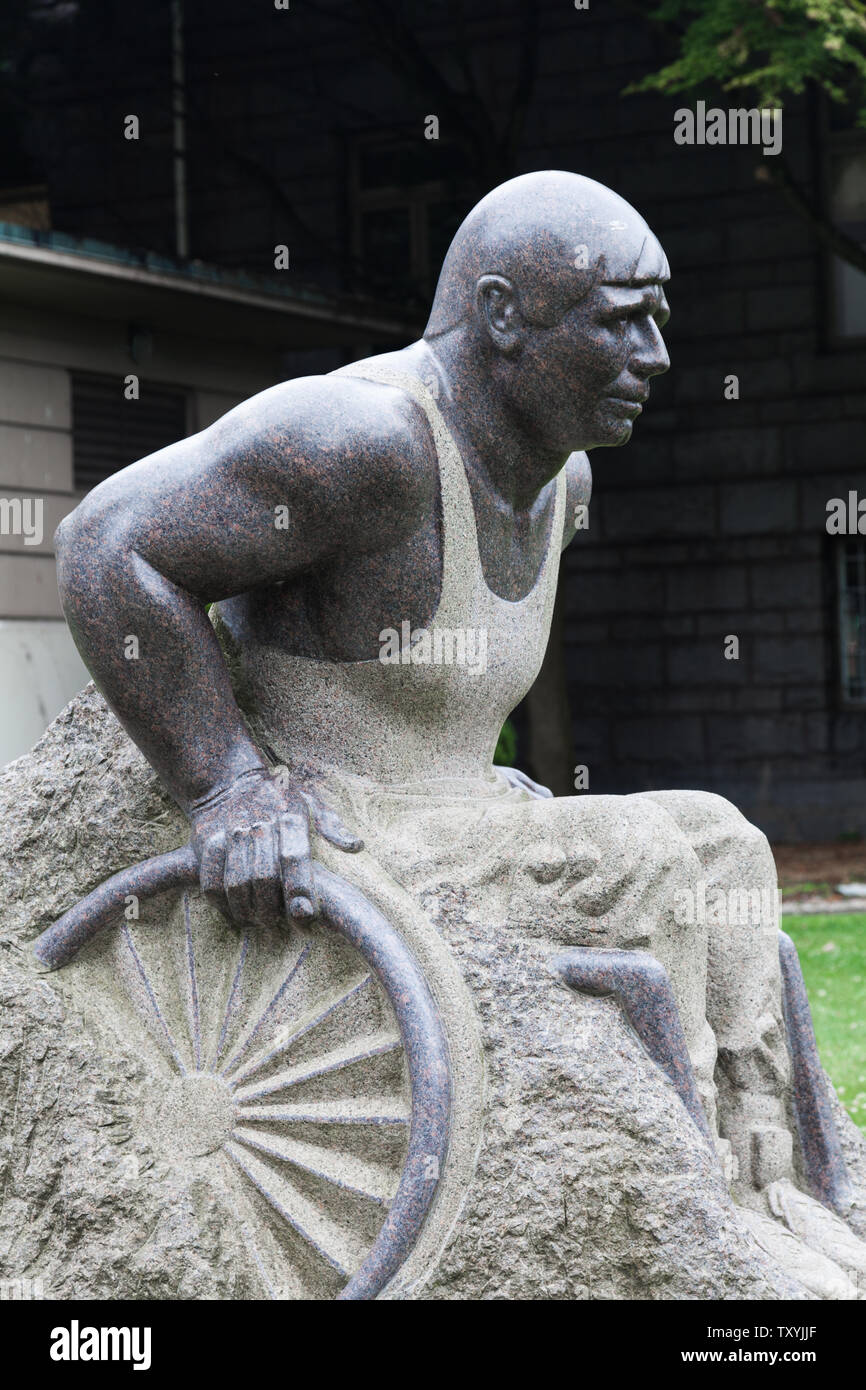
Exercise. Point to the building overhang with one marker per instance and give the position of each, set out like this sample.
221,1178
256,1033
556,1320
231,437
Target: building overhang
52,271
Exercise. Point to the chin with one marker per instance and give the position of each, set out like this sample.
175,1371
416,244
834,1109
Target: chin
612,433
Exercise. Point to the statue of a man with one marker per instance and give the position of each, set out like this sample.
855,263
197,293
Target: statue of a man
382,547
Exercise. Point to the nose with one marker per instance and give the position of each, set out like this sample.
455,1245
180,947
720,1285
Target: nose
651,358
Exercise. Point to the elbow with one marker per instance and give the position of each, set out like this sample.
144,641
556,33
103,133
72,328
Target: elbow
84,547
67,556
76,528
63,536
76,546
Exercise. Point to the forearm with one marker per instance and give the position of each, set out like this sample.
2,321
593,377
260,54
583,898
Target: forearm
154,655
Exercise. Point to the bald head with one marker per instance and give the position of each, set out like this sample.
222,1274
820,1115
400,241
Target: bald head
555,236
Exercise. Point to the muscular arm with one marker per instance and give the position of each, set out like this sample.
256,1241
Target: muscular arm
147,549
141,556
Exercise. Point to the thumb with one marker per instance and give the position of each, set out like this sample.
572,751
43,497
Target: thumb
328,824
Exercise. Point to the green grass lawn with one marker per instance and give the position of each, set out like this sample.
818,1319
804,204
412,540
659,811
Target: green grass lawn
832,950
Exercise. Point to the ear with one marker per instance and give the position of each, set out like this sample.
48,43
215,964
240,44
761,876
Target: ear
499,313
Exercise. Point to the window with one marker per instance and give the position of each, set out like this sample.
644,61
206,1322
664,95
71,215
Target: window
109,431
848,210
852,620
407,199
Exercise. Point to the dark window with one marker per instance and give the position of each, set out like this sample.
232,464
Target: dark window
109,431
407,199
852,620
848,196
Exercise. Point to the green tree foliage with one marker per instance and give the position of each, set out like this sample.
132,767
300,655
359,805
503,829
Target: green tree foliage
765,49
506,746
761,51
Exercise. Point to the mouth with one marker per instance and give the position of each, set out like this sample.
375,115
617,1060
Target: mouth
626,405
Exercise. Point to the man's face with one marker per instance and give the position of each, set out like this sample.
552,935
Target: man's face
587,378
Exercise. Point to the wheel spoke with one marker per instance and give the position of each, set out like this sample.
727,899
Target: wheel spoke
331,1242
329,1112
192,983
359,1050
164,1031
231,1002
344,1171
262,1059
267,1016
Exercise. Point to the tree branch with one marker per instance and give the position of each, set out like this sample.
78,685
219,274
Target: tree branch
398,46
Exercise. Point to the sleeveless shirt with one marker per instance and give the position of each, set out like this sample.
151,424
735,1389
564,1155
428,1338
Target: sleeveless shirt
434,713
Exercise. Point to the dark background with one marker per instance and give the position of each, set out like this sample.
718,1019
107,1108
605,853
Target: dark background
306,127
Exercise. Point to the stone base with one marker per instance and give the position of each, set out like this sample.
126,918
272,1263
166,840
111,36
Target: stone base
584,1177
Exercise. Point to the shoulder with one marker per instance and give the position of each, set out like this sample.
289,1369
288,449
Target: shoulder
346,442
578,490
333,413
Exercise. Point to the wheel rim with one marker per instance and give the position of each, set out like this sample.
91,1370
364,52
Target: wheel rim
305,1070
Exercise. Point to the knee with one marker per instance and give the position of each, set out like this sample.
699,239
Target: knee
711,821
639,853
691,809
728,829
663,850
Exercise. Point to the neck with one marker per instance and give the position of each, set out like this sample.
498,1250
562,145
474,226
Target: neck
503,446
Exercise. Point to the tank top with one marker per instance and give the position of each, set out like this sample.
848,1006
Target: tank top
430,708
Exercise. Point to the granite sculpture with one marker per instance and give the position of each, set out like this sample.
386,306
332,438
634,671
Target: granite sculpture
394,1022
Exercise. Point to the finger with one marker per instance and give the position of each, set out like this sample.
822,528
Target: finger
238,872
211,870
265,885
331,828
296,871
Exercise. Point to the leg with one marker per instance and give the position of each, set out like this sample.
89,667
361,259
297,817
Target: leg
607,872
611,872
744,1008
737,896
589,871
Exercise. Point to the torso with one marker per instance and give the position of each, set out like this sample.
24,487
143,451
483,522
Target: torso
423,706
338,611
